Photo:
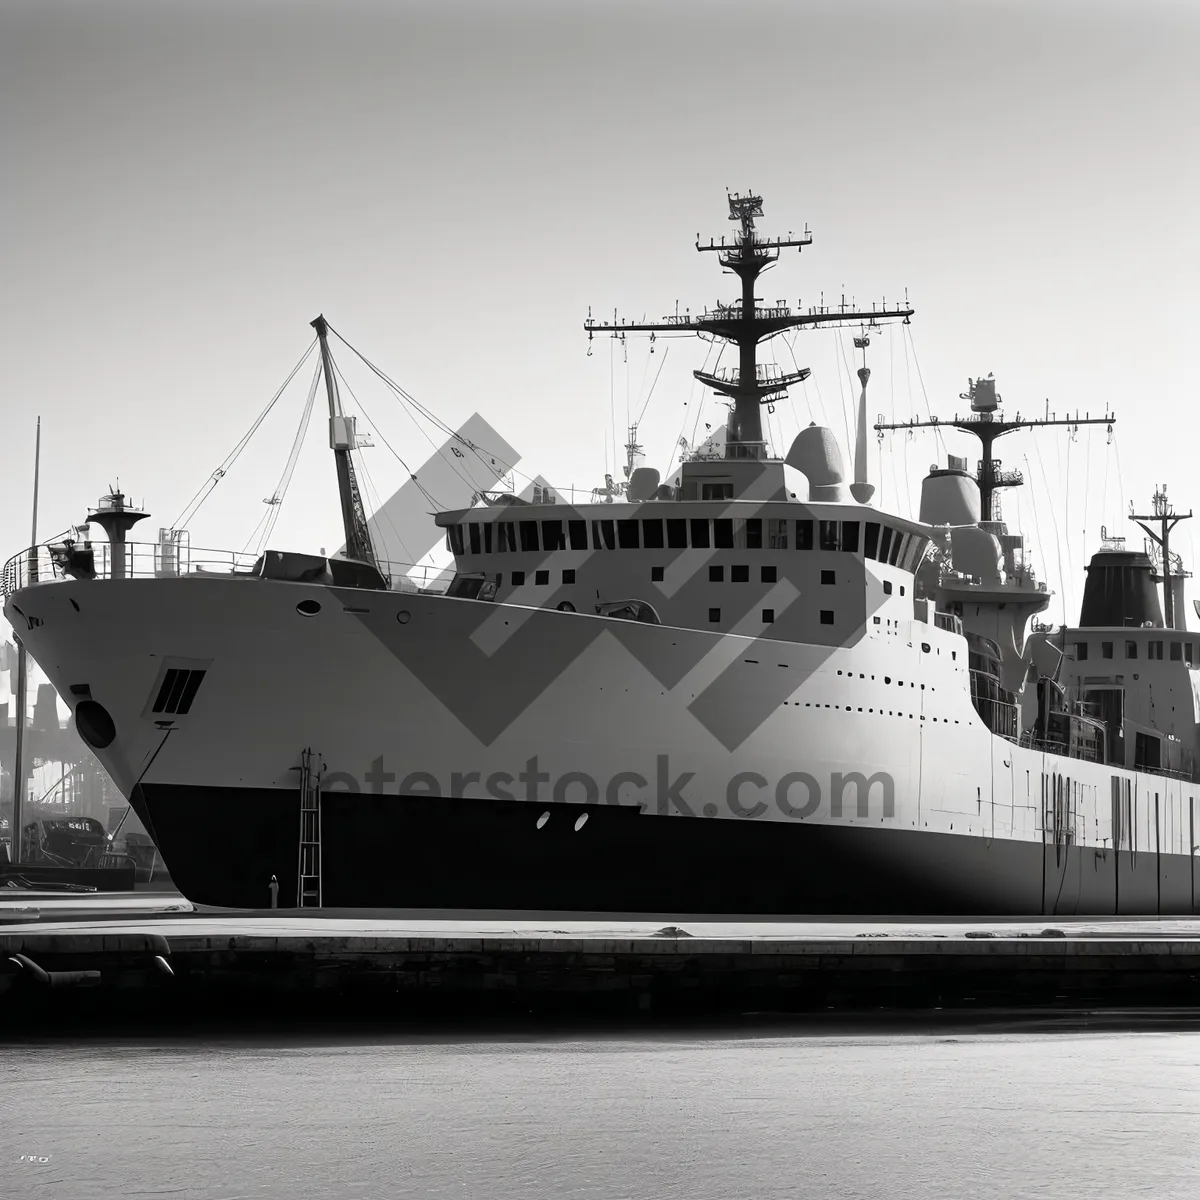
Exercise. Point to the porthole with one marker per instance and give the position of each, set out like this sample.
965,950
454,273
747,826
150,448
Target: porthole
94,724
308,608
404,616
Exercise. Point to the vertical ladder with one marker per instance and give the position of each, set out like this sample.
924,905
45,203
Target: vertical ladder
308,885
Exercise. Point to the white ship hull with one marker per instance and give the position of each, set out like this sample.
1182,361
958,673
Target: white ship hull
489,756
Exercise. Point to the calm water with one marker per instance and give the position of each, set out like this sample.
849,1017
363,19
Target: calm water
725,1117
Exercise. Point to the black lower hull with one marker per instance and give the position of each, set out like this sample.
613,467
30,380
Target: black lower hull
383,851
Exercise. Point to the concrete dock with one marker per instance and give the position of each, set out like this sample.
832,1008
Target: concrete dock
154,957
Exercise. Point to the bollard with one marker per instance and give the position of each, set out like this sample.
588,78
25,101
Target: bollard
274,885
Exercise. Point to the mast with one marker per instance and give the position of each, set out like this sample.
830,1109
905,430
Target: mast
987,426
22,696
341,442
1166,518
745,324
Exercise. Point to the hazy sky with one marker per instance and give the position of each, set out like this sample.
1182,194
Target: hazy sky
186,185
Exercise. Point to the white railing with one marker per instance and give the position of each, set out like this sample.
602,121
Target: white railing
151,560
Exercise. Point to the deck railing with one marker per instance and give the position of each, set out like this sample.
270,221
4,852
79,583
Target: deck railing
153,560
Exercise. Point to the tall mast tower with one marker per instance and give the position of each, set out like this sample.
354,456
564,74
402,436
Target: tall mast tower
987,424
744,323
1166,518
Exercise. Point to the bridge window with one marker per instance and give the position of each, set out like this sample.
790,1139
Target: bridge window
652,534
804,535
569,575
552,536
768,616
541,578
871,539
1187,652
754,533
716,574
518,578
850,536
508,537
1106,649
1154,650
828,577
1176,651
714,615
487,537
777,534
739,573
897,544
826,616
529,534
473,532
656,574
885,543
769,575
1081,651
603,535
723,533
627,535
829,535
716,491
577,531
676,534
699,533
1131,649
456,538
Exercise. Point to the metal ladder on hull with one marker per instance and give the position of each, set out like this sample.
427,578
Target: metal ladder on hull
308,884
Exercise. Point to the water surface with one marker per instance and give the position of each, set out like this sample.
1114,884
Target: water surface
724,1116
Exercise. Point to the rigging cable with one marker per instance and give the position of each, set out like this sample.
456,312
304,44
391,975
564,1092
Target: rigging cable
1067,511
904,437
411,474
1062,582
490,461
1087,480
677,448
921,378
661,363
841,351
207,487
1120,474
275,503
804,383
610,466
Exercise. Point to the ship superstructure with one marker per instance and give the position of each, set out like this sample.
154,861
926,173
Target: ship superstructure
706,695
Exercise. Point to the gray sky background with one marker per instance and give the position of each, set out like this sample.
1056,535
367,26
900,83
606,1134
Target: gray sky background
187,185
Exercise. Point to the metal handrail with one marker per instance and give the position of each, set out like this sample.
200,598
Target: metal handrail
153,560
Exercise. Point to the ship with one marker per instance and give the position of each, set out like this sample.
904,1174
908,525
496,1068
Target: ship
722,693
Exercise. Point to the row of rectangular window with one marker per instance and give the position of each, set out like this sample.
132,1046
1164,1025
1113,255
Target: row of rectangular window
878,541
768,616
1180,651
738,573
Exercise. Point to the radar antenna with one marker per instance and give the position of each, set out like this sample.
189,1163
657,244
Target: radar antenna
747,254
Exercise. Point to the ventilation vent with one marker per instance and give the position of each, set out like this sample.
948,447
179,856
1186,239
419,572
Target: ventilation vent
179,688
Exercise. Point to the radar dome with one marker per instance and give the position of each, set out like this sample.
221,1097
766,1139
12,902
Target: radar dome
815,454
